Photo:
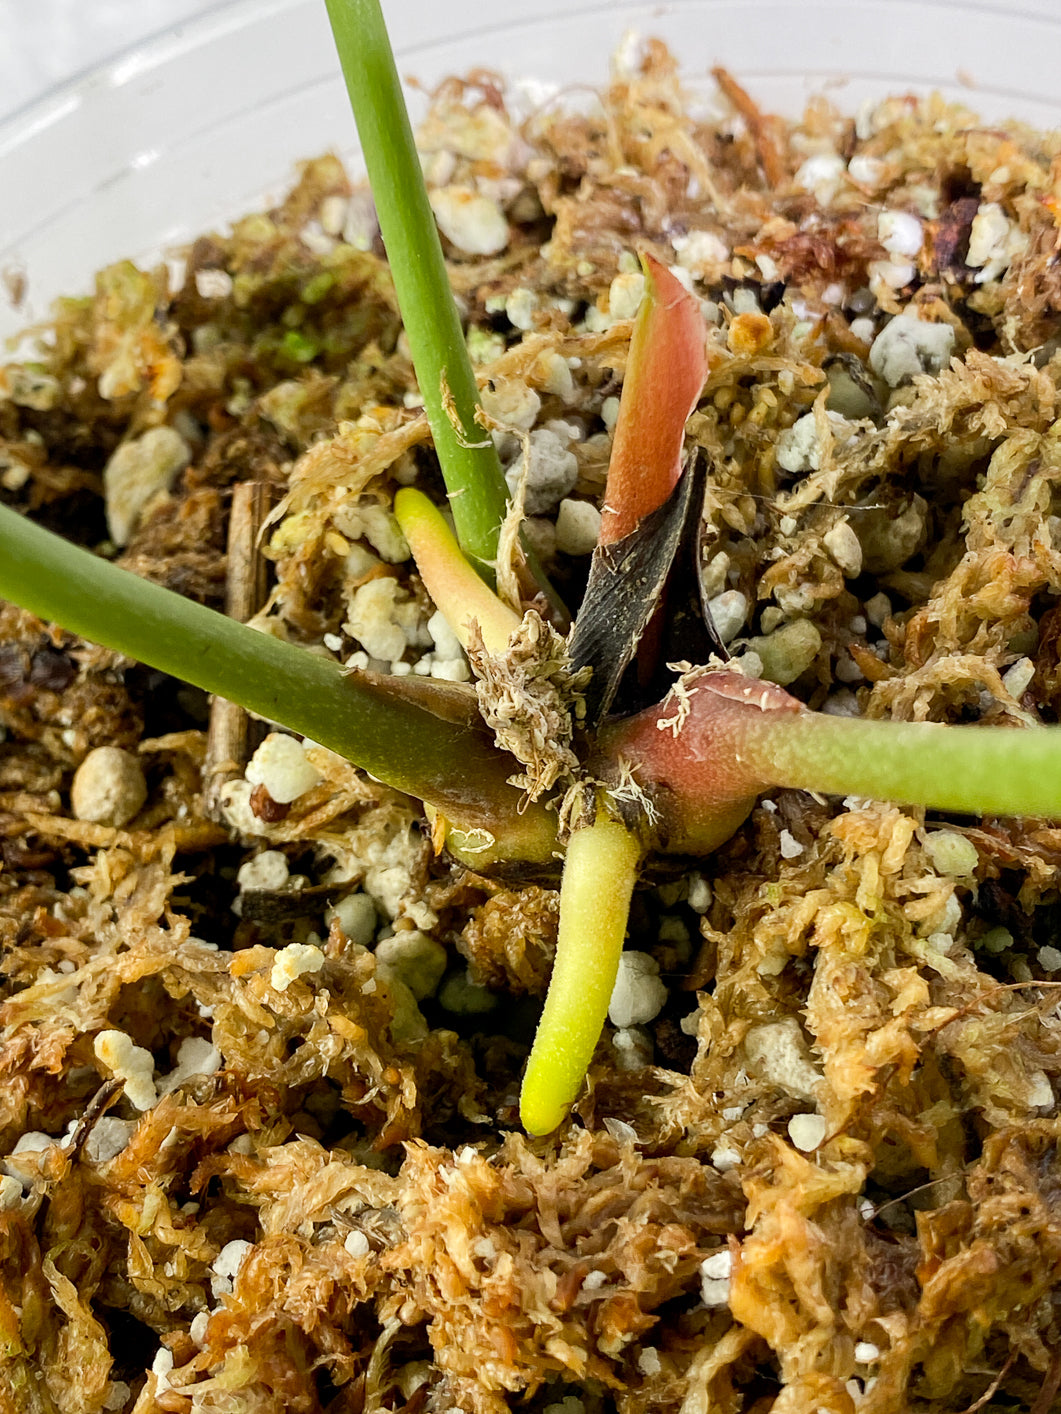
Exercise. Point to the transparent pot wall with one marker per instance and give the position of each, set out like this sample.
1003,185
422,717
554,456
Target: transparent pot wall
199,124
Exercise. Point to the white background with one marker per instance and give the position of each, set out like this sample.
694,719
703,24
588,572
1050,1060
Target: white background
45,41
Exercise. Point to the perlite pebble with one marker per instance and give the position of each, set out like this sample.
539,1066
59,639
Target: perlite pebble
464,997
845,547
878,609
777,1053
728,613
1017,678
907,346
226,1266
866,1352
1050,959
900,232
381,618
625,294
715,1274
357,1244
280,766
799,446
551,472
10,1193
639,994
266,871
195,1056
419,961
291,962
383,533
108,787
357,917
473,223
633,1047
787,652
23,1162
577,527
130,1063
107,1138
951,853
136,472
699,899
806,1131
512,402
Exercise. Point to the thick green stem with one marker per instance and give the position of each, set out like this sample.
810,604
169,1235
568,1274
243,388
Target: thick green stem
973,770
705,753
447,383
440,757
599,875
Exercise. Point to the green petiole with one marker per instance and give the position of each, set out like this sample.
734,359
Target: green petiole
469,462
439,756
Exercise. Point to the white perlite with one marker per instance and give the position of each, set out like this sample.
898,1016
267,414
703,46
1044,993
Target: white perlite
292,962
639,994
130,1063
951,853
625,293
267,871
799,446
10,1193
357,1244
384,620
280,766
416,959
226,1267
994,242
866,1352
788,844
777,1053
108,787
551,472
137,472
195,1056
577,527
473,223
357,917
107,1138
806,1131
907,346
822,175
22,1165
633,1048
845,547
729,610
900,232
715,1274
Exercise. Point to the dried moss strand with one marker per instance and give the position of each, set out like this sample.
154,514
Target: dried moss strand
974,770
599,875
466,453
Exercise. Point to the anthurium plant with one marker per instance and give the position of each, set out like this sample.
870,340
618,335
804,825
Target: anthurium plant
619,750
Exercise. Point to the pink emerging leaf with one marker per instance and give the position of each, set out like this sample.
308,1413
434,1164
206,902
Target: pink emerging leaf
665,374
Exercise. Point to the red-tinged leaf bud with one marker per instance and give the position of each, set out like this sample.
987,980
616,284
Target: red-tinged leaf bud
695,756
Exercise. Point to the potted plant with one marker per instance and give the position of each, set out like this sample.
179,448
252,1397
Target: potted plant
583,749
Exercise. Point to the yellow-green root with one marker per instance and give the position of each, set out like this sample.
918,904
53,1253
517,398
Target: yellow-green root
599,875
